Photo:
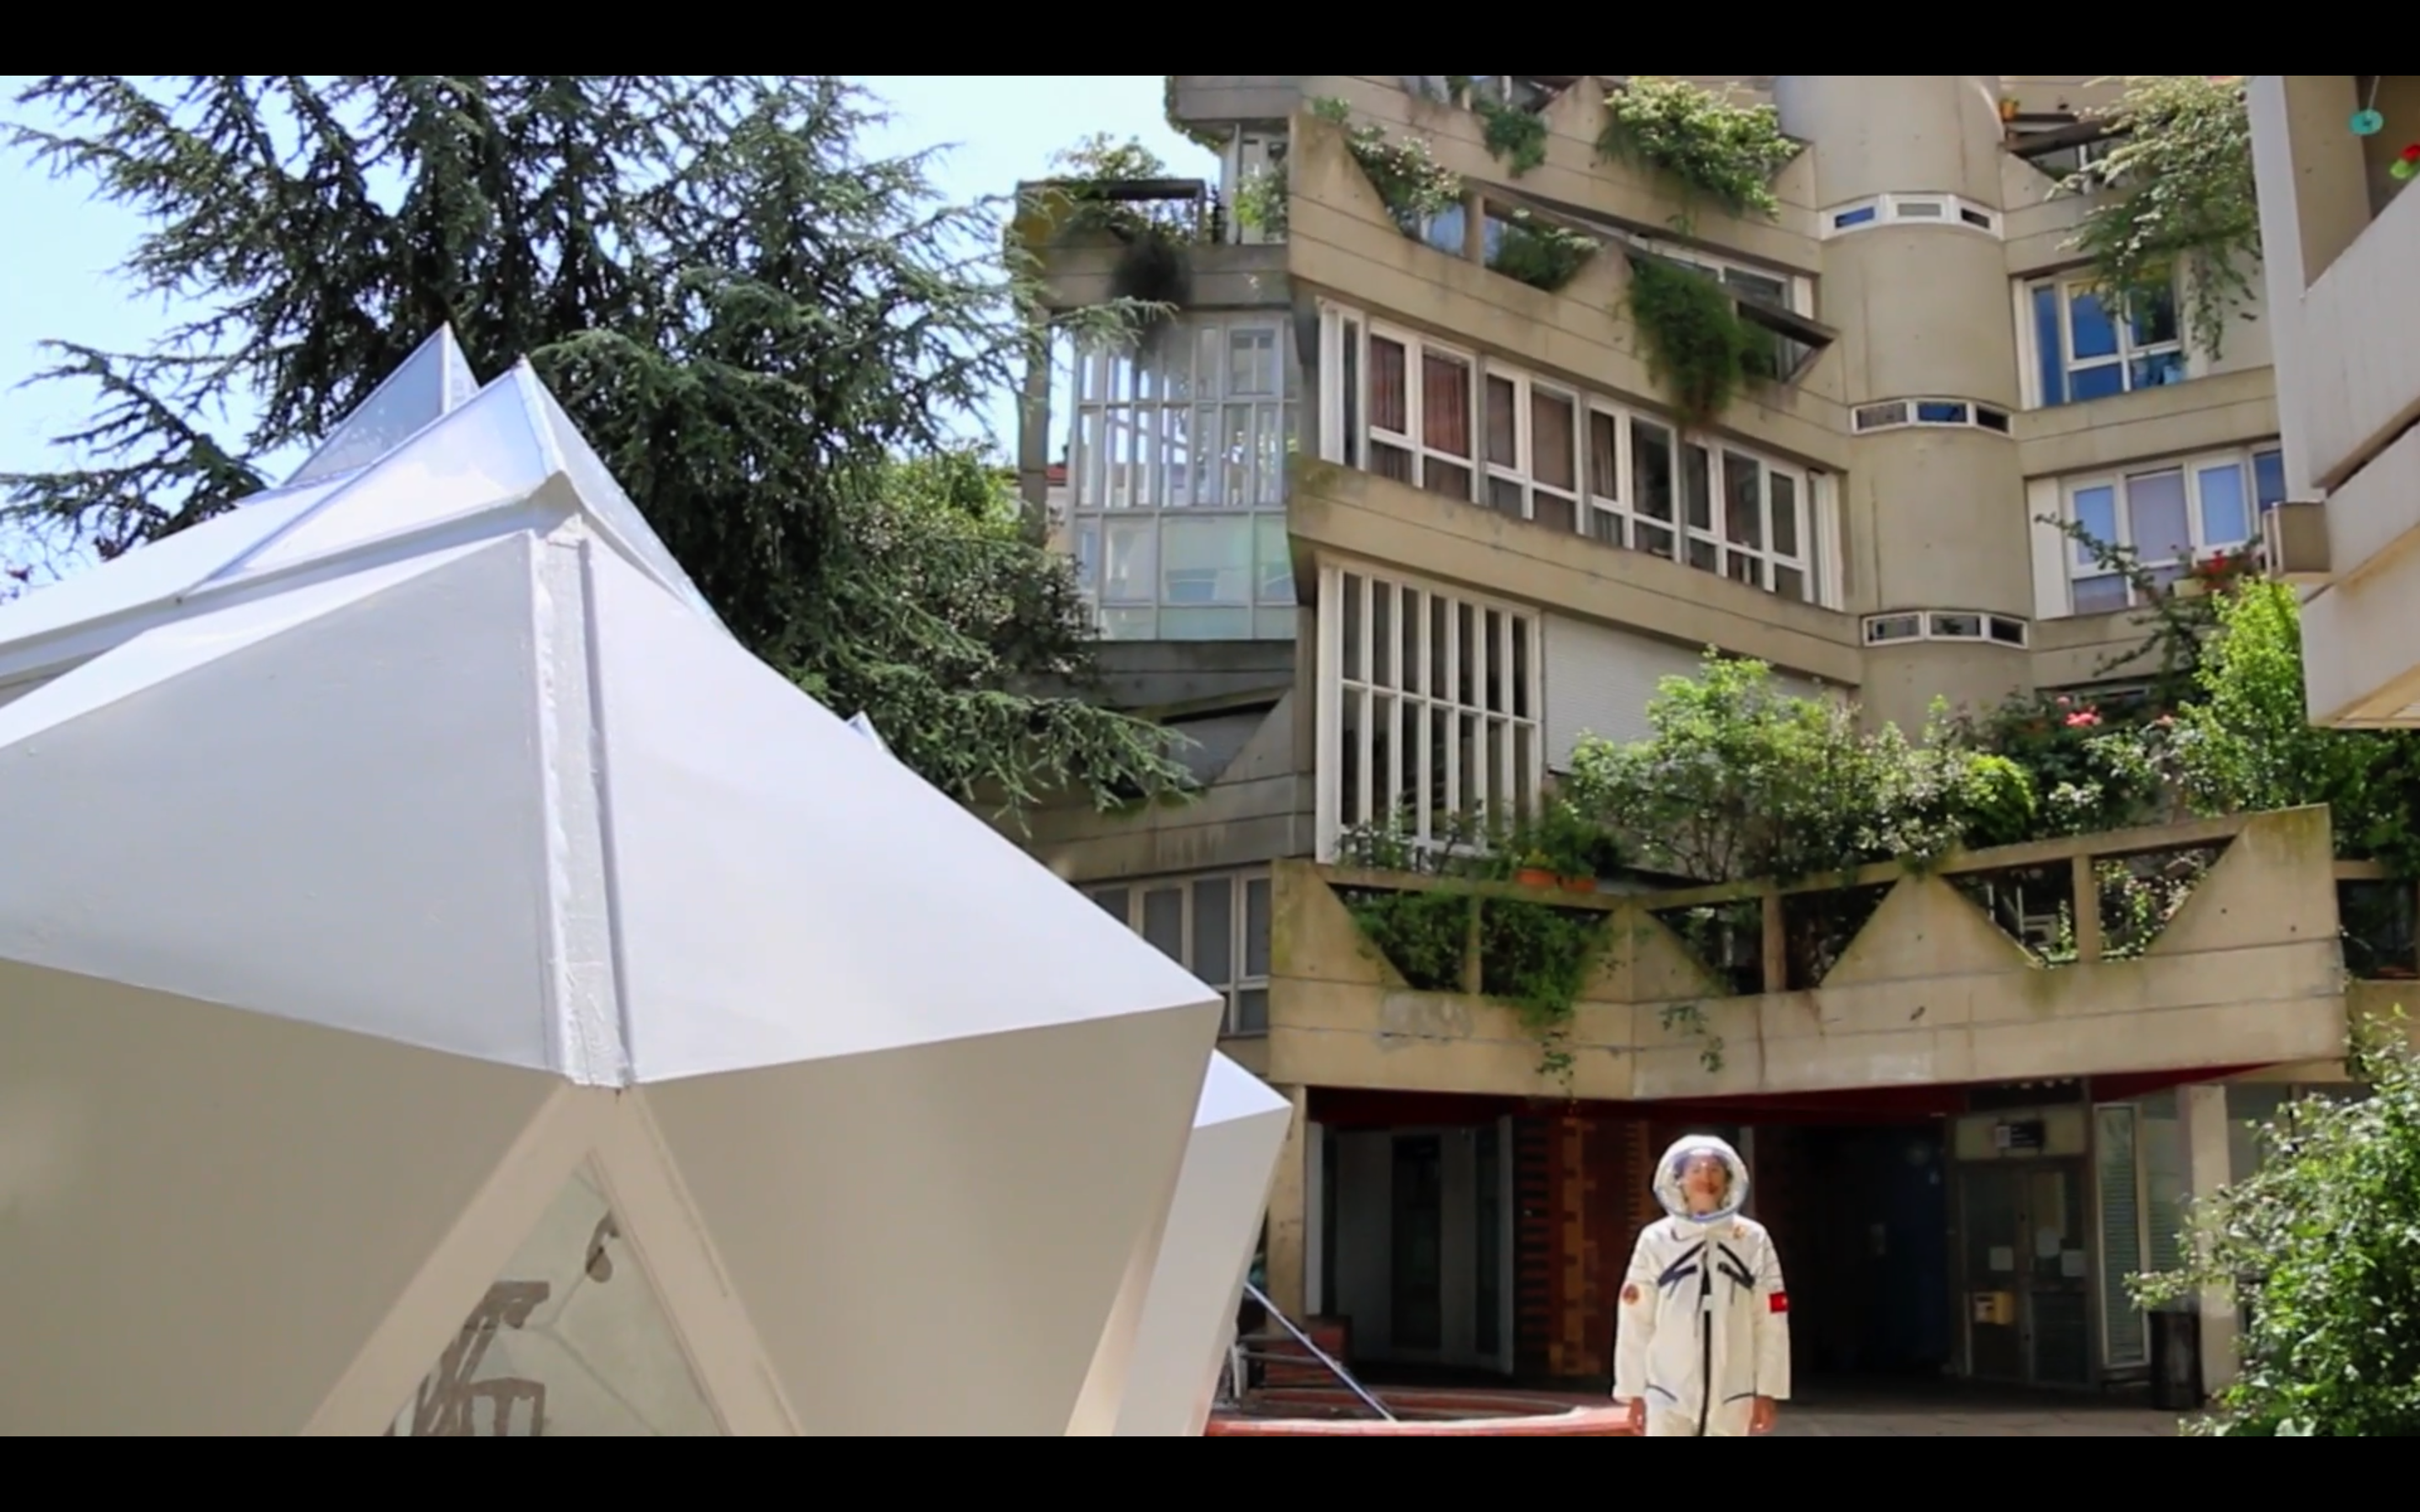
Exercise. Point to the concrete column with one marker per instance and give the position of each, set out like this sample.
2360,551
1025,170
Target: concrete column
2208,1160
1931,518
2314,201
1034,445
1288,1194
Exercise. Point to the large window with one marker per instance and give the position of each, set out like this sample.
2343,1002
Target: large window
2171,514
1176,482
1445,420
1215,927
1429,707
2084,351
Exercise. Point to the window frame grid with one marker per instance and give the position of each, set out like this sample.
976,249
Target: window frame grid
2067,285
1240,881
1815,565
1449,691
2191,467
1108,487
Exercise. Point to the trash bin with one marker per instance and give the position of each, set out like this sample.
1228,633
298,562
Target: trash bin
2176,1362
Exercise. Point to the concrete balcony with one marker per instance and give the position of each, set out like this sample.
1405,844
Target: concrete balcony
1927,990
2360,380
1084,264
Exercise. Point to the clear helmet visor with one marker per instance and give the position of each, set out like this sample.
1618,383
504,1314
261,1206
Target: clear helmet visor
1701,1179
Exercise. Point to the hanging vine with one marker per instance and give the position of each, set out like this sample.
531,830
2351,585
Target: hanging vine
2177,199
1698,346
1534,958
1714,147
1514,137
1413,185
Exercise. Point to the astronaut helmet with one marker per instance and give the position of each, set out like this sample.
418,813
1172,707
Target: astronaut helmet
1708,1166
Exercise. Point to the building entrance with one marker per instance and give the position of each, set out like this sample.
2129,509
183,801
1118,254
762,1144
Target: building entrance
2025,1246
1861,1216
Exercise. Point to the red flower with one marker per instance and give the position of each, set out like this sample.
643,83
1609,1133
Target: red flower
2082,719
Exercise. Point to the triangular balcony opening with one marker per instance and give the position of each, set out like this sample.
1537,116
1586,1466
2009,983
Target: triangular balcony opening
1727,938
1424,933
2143,893
2034,905
1818,928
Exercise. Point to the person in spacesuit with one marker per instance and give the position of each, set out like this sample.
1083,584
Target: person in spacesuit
1702,1349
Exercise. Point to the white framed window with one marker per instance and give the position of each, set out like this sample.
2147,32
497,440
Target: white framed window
1419,397
1890,414
1910,209
1531,430
1947,625
2173,514
1176,482
2076,350
1215,926
1429,708
1399,405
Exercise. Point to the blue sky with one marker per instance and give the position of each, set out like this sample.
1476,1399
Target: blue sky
55,260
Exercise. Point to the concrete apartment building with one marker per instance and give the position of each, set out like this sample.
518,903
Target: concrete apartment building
1380,526
2339,237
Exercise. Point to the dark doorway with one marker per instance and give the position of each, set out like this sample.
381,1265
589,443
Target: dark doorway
1418,1250
1862,1218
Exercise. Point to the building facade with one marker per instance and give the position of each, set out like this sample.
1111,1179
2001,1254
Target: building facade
2338,231
1388,530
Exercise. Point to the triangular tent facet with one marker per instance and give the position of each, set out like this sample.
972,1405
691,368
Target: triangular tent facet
431,383
721,977
570,1342
156,571
485,454
401,897
606,502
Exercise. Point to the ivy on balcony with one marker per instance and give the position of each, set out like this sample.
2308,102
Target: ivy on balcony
2079,826
2175,195
1715,148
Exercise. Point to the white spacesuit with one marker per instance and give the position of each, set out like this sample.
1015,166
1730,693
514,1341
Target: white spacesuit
1704,1319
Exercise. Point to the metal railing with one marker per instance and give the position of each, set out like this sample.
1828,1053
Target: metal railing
1241,1356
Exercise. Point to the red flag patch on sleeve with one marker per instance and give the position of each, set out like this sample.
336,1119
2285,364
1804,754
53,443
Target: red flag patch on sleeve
1630,1294
1778,1302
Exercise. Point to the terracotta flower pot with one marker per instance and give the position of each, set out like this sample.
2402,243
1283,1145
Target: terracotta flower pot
1530,877
1577,884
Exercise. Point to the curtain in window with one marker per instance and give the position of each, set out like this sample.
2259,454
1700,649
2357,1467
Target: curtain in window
1445,405
1387,410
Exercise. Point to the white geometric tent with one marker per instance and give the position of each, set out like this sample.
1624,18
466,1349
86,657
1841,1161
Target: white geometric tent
1188,1311
447,985
1189,1319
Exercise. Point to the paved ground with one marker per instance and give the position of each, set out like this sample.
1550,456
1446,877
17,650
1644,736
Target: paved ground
1950,1409
1958,1415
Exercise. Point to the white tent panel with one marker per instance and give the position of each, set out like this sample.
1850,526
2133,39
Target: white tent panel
156,655
932,1241
293,825
434,379
485,454
1239,1127
155,572
605,501
572,1340
777,880
205,1212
